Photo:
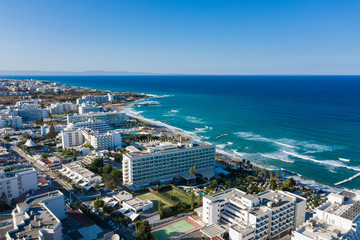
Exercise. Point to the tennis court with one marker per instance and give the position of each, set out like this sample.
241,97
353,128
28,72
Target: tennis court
175,229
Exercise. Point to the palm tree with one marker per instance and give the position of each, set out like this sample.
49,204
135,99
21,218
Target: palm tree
284,175
191,171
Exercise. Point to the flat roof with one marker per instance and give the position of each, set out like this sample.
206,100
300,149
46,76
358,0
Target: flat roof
40,218
212,230
167,148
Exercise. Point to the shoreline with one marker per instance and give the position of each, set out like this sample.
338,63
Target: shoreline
312,184
147,96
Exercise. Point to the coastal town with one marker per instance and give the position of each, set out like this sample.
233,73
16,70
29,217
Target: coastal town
74,165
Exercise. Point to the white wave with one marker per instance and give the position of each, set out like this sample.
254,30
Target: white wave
132,113
238,153
147,102
158,96
221,146
344,159
324,162
277,156
284,142
174,111
230,143
202,130
348,179
194,119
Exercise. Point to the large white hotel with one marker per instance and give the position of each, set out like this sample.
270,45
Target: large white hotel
267,215
165,161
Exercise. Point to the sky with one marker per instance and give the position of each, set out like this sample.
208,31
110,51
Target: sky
182,36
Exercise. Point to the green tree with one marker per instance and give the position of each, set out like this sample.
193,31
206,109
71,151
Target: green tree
192,200
160,208
142,230
283,175
273,184
199,200
98,203
107,169
108,209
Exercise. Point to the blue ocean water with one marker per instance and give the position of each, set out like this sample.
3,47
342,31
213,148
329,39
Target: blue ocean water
309,125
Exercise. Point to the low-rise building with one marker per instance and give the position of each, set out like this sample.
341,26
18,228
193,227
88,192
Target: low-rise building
338,218
88,107
15,183
80,175
267,215
39,217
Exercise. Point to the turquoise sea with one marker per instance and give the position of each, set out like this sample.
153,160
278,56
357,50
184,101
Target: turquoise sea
309,125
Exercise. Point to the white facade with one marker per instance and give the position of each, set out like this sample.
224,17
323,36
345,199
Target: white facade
338,218
97,126
71,138
79,174
39,217
166,161
88,107
11,121
102,141
58,108
111,118
266,215
15,183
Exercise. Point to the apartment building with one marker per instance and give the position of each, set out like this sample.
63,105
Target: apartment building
267,215
112,118
39,217
58,108
165,161
95,125
72,138
338,218
102,141
88,107
11,121
15,183
80,175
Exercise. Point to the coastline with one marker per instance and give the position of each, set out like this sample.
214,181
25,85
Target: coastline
126,107
312,184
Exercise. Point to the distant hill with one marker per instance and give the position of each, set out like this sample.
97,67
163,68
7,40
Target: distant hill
68,73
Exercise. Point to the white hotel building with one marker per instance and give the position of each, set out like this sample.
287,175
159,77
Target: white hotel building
267,215
112,118
15,183
338,218
165,161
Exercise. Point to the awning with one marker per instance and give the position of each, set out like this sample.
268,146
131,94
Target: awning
107,199
83,184
113,203
122,210
88,187
132,215
212,230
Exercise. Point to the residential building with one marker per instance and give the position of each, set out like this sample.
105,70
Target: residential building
95,125
267,215
102,141
164,161
338,218
11,121
80,175
112,118
88,107
39,217
58,108
71,138
88,159
15,183
45,129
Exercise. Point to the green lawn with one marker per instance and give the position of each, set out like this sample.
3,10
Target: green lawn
155,199
172,230
177,197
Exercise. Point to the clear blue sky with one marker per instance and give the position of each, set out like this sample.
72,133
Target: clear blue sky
182,36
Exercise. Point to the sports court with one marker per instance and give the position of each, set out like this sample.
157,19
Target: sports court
175,229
